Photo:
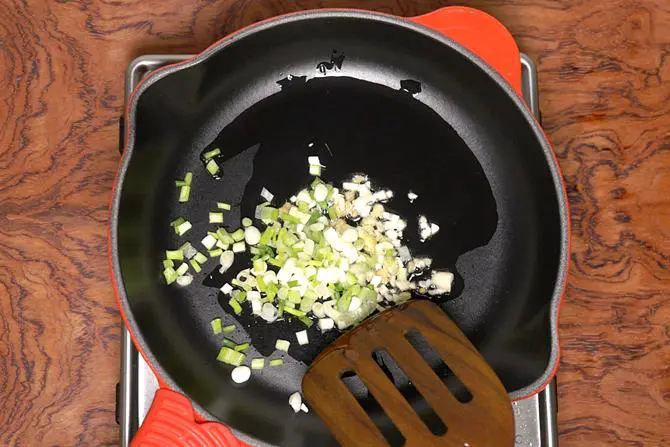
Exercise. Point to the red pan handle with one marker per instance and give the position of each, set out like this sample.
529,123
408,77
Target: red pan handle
171,420
482,34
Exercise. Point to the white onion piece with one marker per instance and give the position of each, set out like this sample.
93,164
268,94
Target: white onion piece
252,235
269,312
317,309
354,304
256,307
226,260
208,241
184,280
320,192
240,374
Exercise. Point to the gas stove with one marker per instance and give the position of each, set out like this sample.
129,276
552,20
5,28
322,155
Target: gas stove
535,417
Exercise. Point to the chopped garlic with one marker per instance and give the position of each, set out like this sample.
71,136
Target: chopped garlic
302,338
326,324
295,401
267,195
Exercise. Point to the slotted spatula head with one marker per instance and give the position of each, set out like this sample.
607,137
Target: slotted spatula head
485,420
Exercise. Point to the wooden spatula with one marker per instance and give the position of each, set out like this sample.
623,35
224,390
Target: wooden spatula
485,420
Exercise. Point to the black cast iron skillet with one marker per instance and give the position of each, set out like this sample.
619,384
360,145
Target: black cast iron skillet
367,93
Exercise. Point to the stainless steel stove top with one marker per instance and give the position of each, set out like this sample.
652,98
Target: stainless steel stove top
535,417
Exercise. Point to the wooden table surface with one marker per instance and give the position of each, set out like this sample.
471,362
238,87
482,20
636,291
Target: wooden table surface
605,97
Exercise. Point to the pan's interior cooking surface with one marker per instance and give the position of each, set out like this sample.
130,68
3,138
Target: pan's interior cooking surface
475,164
353,126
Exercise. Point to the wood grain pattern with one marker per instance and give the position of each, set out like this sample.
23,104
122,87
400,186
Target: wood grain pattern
605,89
485,419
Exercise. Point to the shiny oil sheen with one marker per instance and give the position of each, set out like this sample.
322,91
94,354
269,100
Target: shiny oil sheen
356,126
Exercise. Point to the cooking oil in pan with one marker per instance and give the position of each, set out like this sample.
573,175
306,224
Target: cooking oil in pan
356,126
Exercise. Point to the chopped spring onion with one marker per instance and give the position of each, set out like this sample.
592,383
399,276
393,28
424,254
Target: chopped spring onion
184,193
188,178
277,362
211,154
238,235
329,255
304,408
215,253
188,249
315,170
267,195
296,312
170,275
177,221
295,401
252,235
260,267
282,345
212,167
306,321
176,255
183,227
195,265
184,280
216,326
200,258
230,356
209,241
228,343
236,306
215,217
257,363
240,374
227,258
412,196
302,338
182,269
242,346
317,310
229,329
320,192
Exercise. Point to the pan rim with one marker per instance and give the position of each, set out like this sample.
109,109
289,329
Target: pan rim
130,115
